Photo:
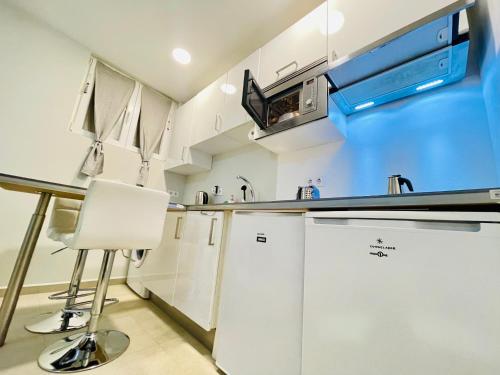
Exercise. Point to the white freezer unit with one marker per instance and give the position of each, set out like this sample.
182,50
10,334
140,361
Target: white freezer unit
260,314
391,293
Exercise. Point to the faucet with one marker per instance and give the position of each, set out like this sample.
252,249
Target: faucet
248,184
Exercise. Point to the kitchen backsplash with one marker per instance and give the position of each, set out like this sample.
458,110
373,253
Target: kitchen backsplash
253,162
441,141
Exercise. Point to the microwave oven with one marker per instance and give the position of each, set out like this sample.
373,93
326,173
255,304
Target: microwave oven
294,100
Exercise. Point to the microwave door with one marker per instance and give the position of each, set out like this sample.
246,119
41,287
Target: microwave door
254,101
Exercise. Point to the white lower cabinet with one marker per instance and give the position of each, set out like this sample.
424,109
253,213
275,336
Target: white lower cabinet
259,330
197,267
159,270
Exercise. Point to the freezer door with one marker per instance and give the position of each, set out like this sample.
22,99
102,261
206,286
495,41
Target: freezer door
260,315
392,297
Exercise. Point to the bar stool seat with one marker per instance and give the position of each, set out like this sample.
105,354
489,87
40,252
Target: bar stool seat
114,216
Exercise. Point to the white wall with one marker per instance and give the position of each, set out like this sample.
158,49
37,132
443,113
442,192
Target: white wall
440,140
41,72
485,19
252,161
176,182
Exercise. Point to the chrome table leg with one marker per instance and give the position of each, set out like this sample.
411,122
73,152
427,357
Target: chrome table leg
22,264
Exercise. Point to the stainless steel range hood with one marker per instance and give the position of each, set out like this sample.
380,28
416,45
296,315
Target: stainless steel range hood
429,53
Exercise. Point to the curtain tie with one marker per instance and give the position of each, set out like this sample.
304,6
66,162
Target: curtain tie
143,173
94,163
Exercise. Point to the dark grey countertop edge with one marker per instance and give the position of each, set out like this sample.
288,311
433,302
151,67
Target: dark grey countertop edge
463,198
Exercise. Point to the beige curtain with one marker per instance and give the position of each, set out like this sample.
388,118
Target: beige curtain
155,108
112,93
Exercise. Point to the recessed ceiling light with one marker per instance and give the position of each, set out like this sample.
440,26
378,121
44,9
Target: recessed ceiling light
336,21
227,88
181,55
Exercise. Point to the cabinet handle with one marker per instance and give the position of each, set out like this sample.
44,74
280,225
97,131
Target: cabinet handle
334,55
218,121
211,240
183,154
177,235
287,66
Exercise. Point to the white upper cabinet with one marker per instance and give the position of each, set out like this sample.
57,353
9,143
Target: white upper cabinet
180,139
354,24
296,47
181,158
234,114
207,119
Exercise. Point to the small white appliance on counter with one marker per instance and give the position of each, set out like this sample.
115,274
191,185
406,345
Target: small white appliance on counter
394,292
260,313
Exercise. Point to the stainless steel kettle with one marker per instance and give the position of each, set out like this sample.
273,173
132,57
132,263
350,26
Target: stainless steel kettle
396,183
200,198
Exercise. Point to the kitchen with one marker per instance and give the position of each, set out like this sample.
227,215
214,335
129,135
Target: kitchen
337,100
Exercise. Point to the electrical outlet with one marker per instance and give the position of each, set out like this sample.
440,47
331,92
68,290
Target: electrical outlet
319,181
173,194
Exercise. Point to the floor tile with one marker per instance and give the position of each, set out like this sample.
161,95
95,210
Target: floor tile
158,345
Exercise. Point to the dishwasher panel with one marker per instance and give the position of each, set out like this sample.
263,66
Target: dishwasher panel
409,295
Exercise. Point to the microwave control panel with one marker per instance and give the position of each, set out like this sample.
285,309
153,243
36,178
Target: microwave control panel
309,95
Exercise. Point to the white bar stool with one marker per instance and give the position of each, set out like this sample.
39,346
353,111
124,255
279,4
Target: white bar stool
114,216
63,224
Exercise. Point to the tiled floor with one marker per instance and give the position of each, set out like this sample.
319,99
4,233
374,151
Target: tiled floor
157,344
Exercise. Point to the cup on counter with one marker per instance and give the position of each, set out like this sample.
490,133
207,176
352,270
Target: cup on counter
218,199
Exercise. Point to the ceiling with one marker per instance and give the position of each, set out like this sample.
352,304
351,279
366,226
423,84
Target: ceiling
138,36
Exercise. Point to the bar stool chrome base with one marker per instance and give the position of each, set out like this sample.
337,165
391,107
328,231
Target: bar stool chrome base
83,351
60,321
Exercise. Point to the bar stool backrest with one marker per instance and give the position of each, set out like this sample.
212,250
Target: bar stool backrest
115,215
64,217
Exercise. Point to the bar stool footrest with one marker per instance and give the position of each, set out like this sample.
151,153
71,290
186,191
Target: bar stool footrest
66,295
77,307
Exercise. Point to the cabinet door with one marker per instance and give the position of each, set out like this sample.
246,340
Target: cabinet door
198,265
160,266
234,114
182,131
354,24
207,120
298,46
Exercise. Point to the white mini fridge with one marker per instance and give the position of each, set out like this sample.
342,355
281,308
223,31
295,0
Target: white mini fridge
259,331
393,293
